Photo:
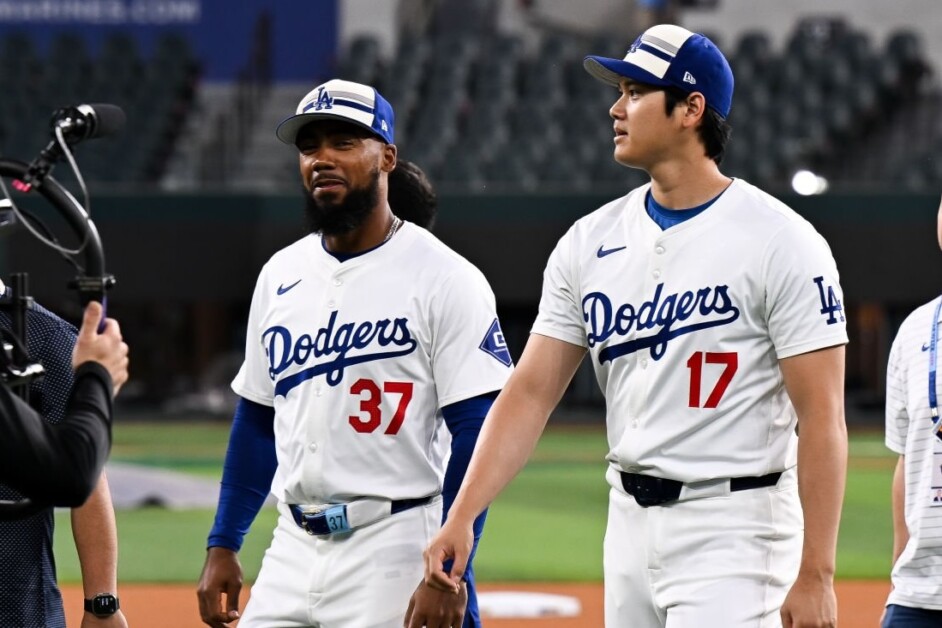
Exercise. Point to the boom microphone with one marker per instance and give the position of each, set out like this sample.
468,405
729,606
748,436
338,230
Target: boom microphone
87,122
77,123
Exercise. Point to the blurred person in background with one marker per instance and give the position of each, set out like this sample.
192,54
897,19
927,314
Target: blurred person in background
913,431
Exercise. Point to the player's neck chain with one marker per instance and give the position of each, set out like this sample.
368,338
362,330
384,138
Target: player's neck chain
393,227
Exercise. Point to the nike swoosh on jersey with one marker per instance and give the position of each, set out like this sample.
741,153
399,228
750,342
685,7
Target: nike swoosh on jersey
282,288
603,251
925,347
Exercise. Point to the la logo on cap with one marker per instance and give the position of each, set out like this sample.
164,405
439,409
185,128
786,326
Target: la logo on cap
324,101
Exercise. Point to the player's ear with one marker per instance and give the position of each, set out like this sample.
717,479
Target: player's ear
390,153
695,109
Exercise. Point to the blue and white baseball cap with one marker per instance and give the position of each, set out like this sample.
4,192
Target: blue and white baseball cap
671,56
341,100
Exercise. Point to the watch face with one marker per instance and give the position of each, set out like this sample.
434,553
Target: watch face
105,605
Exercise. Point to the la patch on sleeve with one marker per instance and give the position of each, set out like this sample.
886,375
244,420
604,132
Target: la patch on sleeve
495,345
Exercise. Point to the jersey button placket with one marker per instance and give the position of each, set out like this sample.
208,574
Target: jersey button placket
333,302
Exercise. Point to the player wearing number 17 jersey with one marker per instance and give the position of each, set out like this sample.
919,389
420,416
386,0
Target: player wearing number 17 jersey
712,316
365,339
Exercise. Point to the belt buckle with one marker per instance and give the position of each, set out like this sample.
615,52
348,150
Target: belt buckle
325,521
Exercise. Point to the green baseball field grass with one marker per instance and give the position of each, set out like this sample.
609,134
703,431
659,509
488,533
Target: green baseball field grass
547,526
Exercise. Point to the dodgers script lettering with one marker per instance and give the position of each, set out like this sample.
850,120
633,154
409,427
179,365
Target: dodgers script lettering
705,308
348,343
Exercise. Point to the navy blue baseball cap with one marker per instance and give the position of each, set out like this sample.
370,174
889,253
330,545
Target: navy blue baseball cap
341,100
671,56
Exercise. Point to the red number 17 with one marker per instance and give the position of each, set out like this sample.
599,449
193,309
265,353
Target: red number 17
695,364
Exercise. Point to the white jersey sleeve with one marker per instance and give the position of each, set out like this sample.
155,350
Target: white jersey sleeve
804,301
253,381
897,416
468,352
560,314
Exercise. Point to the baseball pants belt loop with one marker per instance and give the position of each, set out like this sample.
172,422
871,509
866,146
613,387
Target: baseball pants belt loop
327,519
649,490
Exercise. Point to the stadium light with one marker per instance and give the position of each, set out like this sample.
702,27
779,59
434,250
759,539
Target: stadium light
807,183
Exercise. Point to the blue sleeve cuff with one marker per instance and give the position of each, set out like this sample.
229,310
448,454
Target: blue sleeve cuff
246,475
464,420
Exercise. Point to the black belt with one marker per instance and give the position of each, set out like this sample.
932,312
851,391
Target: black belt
651,491
322,523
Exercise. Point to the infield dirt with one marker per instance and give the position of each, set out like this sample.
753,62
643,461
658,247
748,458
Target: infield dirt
860,604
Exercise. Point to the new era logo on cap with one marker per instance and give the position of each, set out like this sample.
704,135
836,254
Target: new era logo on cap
671,56
341,100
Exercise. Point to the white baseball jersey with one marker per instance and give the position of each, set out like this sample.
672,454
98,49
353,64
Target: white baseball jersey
917,575
357,359
685,328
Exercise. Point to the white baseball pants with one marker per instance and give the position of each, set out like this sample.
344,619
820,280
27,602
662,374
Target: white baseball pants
360,579
716,562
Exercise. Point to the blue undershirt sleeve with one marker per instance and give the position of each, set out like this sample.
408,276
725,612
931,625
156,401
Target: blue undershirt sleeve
464,420
246,474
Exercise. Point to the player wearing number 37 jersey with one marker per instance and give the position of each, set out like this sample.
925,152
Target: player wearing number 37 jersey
713,317
365,341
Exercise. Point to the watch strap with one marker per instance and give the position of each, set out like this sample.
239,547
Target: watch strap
103,605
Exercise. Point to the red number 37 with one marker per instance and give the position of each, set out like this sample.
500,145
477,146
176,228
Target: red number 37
370,398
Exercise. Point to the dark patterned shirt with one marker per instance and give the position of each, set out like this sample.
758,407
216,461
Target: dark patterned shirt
29,596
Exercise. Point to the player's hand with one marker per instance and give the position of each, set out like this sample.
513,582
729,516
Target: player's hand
106,348
114,621
222,574
811,603
455,540
436,609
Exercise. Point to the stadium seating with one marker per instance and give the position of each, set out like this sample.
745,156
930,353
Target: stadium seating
155,93
493,111
527,120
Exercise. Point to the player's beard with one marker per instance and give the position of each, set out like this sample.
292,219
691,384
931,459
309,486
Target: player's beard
338,218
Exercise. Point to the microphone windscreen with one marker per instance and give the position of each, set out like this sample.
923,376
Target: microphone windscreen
109,119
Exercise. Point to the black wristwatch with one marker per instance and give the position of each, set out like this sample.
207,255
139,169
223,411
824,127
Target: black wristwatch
102,605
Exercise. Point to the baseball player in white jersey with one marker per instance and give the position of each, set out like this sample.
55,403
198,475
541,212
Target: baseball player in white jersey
713,317
913,432
363,339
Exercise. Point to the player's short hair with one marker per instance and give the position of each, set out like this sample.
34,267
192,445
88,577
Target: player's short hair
714,130
411,195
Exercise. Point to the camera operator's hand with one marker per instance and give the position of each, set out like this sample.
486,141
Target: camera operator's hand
106,348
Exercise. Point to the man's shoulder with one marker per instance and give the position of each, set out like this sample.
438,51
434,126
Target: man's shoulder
426,250
42,323
289,254
919,320
765,217
606,216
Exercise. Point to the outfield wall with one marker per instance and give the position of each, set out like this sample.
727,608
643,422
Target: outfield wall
186,267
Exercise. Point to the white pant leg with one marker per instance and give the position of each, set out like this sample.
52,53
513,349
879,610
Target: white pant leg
279,596
728,562
628,597
718,562
362,579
